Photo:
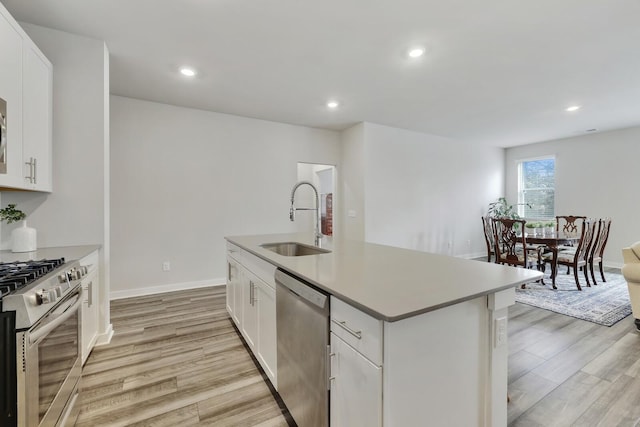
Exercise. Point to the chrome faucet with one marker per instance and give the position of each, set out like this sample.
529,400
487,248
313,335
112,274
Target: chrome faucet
293,209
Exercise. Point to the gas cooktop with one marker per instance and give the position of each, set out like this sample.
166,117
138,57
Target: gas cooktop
32,288
16,275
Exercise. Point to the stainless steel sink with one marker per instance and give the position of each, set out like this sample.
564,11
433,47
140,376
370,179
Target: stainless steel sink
294,249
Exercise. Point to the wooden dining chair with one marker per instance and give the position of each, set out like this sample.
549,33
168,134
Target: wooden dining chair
596,251
488,237
511,245
579,257
569,225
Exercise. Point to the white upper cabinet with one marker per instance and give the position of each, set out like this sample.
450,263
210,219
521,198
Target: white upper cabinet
11,94
37,121
26,86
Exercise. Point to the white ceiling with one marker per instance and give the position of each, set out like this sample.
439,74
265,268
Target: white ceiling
498,72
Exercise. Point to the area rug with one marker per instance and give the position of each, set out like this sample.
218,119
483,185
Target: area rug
604,304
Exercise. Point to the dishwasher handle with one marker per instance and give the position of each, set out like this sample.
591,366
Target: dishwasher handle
302,289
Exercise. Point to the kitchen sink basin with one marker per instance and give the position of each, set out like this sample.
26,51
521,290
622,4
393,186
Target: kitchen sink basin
294,249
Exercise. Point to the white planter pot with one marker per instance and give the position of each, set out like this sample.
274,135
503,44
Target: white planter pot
24,239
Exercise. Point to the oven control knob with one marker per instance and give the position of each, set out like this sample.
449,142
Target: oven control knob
62,278
45,296
58,291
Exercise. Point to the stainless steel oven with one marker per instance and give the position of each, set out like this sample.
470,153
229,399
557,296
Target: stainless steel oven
40,330
49,367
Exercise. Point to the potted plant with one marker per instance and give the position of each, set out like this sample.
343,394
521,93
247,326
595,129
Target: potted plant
10,214
502,209
549,228
23,239
531,228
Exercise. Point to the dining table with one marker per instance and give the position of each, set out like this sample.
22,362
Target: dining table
553,241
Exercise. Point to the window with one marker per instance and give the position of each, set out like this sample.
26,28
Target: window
536,188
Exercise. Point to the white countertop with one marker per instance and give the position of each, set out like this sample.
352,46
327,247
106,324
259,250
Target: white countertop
70,253
389,283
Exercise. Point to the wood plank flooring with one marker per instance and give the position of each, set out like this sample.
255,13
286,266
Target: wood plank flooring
569,372
176,359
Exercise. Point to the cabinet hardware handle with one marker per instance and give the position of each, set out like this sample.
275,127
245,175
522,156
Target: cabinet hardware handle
328,356
31,164
343,325
35,170
90,294
251,291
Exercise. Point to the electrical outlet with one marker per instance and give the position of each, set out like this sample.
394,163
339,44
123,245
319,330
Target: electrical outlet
469,244
166,266
501,331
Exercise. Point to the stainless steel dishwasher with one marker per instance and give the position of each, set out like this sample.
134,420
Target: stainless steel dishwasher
302,317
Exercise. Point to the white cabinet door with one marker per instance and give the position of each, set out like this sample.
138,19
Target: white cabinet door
90,287
267,350
232,282
11,93
37,118
356,388
237,296
249,310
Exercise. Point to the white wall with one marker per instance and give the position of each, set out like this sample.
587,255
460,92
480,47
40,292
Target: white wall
182,179
596,176
77,211
351,191
428,193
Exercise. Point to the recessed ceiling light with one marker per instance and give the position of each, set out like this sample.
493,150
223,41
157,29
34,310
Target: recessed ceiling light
186,71
416,52
573,108
332,104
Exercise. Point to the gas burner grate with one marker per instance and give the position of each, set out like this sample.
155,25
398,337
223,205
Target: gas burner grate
15,275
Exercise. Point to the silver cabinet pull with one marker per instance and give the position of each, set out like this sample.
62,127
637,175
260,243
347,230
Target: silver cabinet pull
343,325
90,293
31,164
330,377
252,293
33,168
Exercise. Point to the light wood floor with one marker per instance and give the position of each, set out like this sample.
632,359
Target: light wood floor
176,360
569,372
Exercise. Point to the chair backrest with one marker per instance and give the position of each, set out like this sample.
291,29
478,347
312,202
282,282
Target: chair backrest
568,225
586,239
509,237
600,239
488,231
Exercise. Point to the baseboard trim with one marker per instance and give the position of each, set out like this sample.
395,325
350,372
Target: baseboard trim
172,287
105,338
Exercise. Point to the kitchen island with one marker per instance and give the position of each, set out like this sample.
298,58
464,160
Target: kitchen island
432,346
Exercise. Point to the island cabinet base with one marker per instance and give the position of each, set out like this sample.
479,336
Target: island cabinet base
443,368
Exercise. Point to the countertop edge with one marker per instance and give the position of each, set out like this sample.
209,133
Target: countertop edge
70,253
364,308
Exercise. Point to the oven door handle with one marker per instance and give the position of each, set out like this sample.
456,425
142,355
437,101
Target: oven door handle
44,330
